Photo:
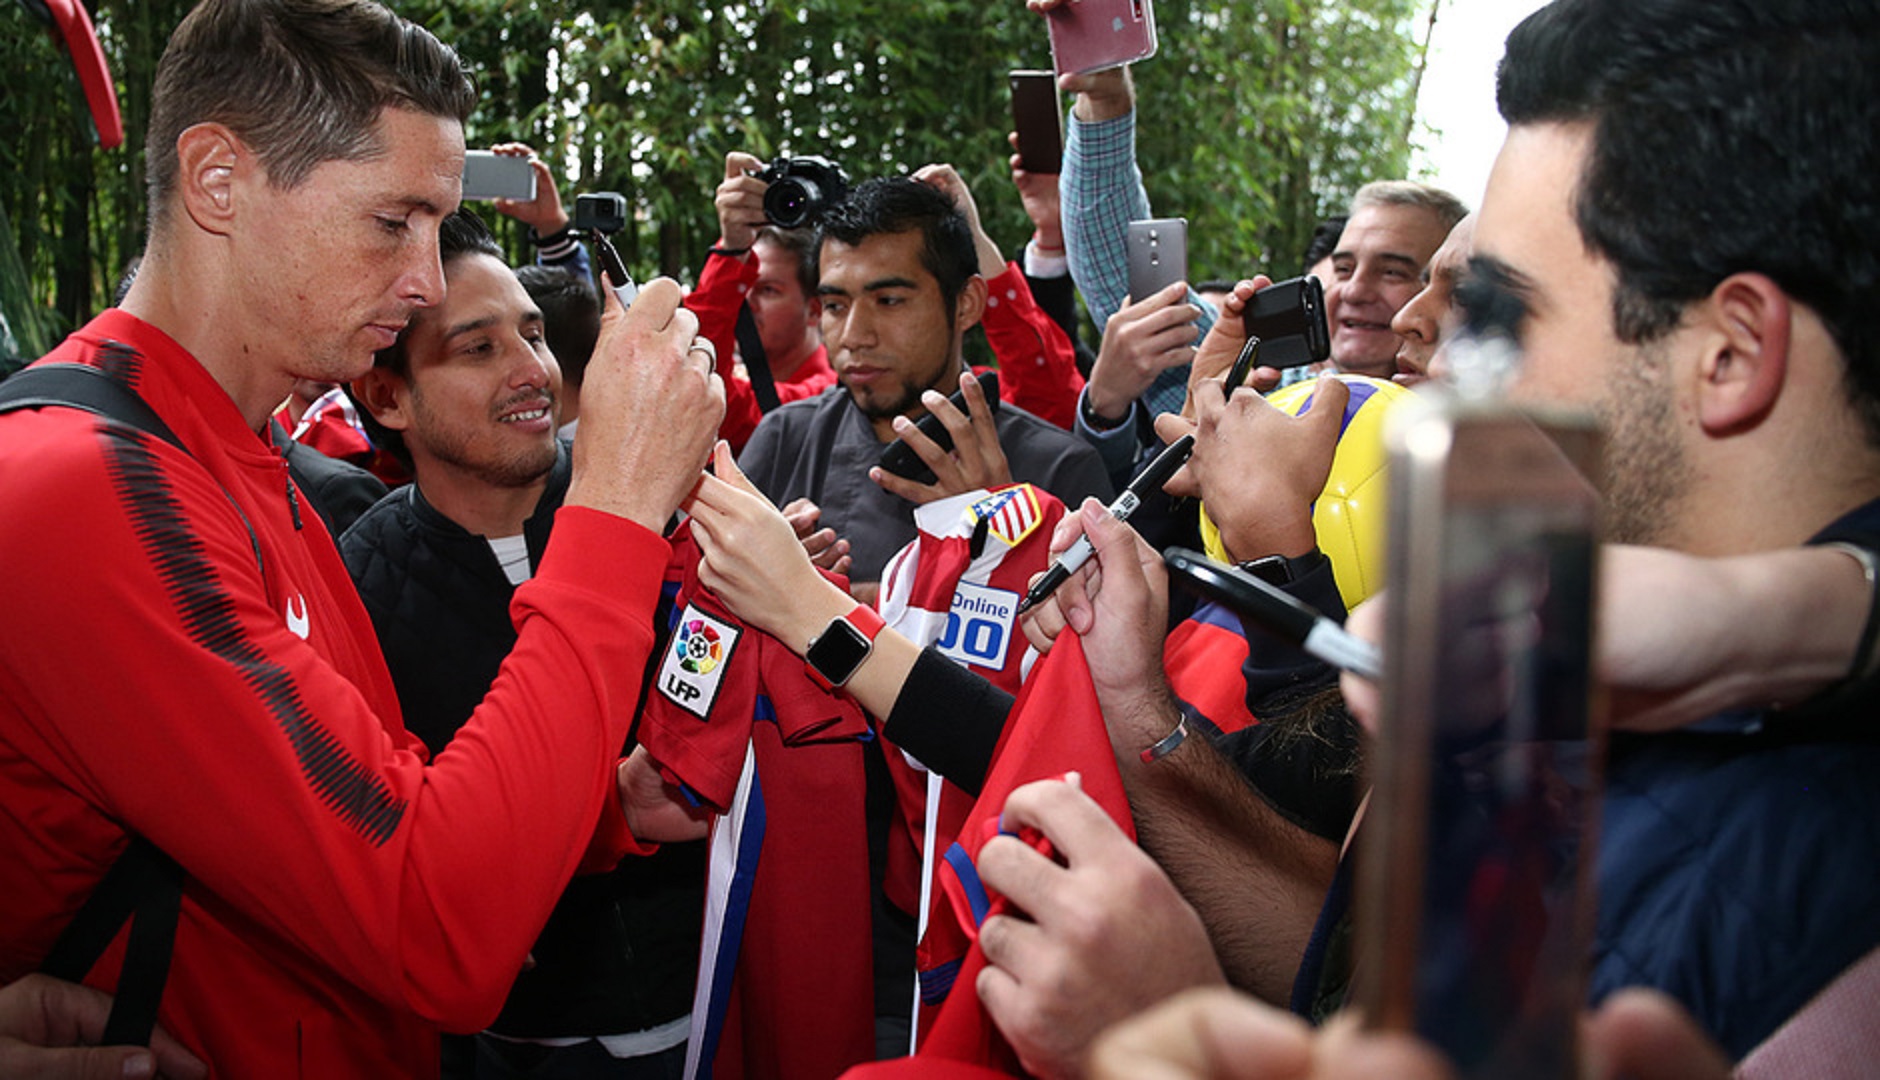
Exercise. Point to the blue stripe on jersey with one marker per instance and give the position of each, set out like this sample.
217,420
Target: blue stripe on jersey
976,898
731,933
937,982
1215,615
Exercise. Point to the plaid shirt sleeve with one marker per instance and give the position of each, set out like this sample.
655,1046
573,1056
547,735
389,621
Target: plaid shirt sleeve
1101,192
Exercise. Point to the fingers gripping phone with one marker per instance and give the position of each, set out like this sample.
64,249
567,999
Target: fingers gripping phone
1474,884
900,459
1157,255
1038,118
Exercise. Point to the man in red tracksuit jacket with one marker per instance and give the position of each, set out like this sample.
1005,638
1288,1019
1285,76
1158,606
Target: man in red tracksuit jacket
184,658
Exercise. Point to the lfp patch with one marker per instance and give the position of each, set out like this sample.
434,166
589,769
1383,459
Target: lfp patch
1011,514
696,659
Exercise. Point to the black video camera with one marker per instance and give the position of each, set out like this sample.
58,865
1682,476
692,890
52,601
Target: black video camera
1289,320
801,189
603,212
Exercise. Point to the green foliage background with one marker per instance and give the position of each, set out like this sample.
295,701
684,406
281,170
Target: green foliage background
1258,117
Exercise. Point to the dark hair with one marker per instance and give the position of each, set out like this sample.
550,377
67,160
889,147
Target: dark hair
462,233
299,81
1324,241
901,204
1728,136
571,315
801,243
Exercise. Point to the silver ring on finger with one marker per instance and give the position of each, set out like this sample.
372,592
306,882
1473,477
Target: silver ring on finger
704,345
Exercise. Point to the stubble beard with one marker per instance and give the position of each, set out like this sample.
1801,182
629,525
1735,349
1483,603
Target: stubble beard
876,407
520,468
1647,473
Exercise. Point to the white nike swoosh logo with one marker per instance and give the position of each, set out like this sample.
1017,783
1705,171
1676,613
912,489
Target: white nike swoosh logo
297,621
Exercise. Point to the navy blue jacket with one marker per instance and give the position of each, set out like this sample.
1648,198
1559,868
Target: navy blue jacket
1739,861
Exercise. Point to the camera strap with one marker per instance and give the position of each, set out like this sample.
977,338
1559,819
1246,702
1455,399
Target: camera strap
756,363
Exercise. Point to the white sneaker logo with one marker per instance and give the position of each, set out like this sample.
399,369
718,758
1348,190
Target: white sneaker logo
297,620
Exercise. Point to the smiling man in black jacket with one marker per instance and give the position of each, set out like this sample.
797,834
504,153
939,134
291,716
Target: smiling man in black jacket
467,398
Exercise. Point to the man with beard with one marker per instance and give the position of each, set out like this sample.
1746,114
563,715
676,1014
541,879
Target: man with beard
898,277
899,282
467,398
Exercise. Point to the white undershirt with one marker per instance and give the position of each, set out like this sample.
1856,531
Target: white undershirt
513,553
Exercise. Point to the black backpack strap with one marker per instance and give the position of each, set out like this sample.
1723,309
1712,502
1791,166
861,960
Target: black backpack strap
81,386
756,362
90,389
144,886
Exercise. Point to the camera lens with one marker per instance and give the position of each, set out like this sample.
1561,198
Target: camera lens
792,201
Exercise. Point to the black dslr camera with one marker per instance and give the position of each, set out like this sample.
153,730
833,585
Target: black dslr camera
801,189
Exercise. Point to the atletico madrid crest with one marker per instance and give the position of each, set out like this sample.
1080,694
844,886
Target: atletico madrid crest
1010,513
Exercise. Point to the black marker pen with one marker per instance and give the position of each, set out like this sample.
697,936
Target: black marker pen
1146,483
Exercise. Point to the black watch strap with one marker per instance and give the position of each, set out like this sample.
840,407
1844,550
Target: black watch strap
1280,570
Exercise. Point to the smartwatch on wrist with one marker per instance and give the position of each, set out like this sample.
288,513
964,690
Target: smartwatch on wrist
839,650
1280,570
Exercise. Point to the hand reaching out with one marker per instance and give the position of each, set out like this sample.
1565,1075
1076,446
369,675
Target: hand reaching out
976,460
1258,469
740,201
544,213
824,548
1142,340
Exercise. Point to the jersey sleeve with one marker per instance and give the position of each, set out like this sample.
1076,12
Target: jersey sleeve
716,301
151,677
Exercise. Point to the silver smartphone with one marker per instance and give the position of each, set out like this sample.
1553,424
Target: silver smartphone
1157,255
489,175
1474,876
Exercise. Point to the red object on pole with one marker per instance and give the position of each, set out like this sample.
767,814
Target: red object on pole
81,41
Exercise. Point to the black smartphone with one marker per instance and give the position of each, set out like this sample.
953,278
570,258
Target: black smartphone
1474,898
1038,118
901,460
1289,319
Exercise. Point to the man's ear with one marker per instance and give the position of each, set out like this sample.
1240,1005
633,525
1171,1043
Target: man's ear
386,395
208,159
1744,330
971,305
